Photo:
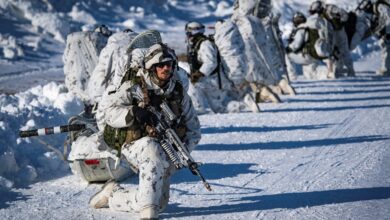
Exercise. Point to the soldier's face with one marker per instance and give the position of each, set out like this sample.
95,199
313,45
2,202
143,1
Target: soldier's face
164,70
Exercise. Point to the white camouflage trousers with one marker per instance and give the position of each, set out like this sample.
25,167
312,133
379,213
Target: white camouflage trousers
341,42
154,169
385,52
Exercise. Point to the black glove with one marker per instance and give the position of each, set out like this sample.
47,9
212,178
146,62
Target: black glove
143,116
195,76
288,50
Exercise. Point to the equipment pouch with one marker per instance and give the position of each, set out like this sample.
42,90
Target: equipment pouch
116,137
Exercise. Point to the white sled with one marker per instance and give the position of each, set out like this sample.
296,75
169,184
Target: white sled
90,158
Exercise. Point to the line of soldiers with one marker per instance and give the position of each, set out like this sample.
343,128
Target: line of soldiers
118,75
242,64
329,33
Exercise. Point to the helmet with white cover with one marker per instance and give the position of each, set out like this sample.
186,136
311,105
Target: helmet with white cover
192,28
366,6
159,53
298,18
316,7
103,29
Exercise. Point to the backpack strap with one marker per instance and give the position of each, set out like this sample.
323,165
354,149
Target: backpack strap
144,90
131,75
292,36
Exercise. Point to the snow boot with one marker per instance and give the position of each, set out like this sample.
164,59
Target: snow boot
251,103
100,199
286,87
276,89
351,73
149,213
331,75
267,94
382,72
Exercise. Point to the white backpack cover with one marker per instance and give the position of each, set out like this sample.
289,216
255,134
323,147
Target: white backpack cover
231,48
260,68
115,56
273,48
80,58
102,74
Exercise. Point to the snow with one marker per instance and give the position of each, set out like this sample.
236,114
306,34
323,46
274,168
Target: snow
322,154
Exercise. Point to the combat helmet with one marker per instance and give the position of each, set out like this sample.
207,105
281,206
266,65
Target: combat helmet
298,18
193,28
316,7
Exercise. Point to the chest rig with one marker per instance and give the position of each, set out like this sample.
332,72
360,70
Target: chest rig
117,137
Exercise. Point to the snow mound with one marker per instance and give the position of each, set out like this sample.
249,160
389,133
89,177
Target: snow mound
23,160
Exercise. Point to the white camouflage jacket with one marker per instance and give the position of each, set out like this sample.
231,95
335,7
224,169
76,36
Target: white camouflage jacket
300,37
116,104
207,55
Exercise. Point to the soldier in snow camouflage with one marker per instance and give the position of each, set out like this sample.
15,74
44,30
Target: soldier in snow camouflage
125,110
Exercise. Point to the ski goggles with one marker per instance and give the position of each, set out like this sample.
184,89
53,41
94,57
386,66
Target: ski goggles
163,64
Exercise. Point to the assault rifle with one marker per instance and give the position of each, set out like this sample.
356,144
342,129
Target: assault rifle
171,143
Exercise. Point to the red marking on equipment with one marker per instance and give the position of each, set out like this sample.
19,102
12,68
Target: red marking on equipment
92,162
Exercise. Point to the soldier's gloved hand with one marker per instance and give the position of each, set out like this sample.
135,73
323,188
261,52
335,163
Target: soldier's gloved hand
143,116
195,76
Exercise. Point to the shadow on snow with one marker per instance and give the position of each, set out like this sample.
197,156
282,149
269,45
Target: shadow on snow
322,109
6,197
364,86
291,144
291,100
364,79
345,92
214,171
215,130
292,200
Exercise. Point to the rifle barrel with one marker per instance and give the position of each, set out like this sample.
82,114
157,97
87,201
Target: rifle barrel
205,183
51,130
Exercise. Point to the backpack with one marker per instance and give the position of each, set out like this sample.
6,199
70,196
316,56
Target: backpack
320,34
336,16
80,58
115,56
309,48
231,49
